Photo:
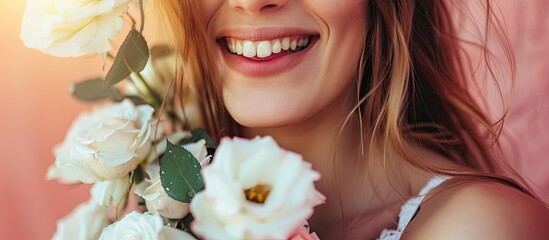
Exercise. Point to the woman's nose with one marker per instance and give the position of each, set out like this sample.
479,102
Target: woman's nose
254,7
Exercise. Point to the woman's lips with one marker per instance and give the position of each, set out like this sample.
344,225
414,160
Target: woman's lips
261,58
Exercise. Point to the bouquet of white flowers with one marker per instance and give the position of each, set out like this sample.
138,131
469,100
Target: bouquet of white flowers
188,186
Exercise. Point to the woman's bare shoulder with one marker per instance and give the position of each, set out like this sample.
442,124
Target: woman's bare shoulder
479,210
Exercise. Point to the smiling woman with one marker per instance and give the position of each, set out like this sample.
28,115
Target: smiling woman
401,150
375,94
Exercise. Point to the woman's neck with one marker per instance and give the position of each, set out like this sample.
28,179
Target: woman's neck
354,207
315,138
335,152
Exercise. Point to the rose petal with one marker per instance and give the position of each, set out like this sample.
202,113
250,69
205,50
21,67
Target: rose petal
175,234
85,222
72,28
111,192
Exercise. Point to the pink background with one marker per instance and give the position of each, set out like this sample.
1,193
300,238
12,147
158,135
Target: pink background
527,126
36,110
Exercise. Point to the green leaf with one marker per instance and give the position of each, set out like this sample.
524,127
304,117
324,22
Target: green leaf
186,222
137,175
93,90
186,225
200,133
131,57
180,173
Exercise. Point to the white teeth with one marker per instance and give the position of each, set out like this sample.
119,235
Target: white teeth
233,46
276,46
264,49
230,45
293,45
238,47
285,44
249,49
306,42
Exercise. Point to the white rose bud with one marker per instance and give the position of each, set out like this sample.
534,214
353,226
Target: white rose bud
110,192
105,144
85,222
66,28
145,226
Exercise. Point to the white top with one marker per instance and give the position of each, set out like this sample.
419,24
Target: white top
408,210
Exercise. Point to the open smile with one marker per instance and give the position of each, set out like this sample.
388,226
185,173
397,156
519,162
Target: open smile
266,49
267,55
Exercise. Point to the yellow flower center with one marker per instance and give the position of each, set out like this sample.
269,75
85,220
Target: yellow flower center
258,193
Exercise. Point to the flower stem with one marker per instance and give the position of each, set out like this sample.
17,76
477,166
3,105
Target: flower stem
156,101
142,12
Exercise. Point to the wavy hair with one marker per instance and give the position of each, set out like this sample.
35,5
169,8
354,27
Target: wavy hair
416,87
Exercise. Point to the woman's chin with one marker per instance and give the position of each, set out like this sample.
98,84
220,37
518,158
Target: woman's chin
262,120
264,107
266,116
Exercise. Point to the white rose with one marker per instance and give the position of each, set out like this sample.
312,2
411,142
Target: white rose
279,189
85,222
110,192
105,144
156,198
145,226
66,28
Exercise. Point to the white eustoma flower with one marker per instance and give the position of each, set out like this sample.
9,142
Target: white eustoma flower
110,192
72,28
145,226
105,144
156,198
254,190
85,222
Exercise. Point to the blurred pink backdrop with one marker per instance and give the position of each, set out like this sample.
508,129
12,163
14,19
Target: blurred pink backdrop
36,110
527,126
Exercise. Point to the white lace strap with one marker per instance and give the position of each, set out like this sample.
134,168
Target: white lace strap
409,209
